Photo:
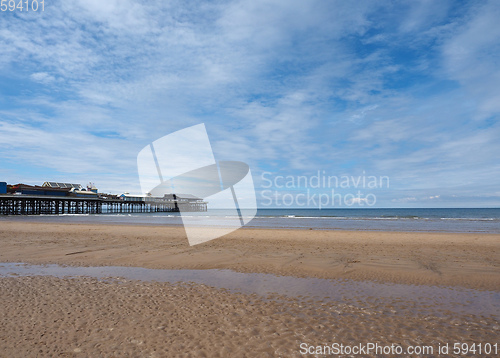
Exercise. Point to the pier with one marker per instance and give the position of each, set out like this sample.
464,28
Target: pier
54,205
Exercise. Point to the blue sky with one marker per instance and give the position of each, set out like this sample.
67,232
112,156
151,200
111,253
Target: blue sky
407,90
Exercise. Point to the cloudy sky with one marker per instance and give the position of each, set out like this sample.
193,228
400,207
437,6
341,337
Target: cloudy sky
407,90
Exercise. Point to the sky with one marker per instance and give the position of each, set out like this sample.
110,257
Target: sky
405,90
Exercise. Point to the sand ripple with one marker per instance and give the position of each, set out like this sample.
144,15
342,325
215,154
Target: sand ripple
48,316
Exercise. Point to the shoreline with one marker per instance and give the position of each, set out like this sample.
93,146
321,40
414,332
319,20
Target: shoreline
444,259
323,223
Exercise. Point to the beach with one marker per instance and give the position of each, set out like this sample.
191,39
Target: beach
86,316
467,260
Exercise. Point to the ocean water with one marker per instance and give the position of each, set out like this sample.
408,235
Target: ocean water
426,220
429,220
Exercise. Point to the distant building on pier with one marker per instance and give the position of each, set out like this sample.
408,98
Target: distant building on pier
25,189
55,185
184,202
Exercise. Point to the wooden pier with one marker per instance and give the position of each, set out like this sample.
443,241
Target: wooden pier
39,205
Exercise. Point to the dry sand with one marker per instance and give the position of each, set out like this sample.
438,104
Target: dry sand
467,260
48,316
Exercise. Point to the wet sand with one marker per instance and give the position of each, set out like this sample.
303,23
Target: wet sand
51,316
47,317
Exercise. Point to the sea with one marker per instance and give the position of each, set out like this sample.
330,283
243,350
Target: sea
455,220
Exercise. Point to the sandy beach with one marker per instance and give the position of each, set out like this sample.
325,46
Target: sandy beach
466,260
51,316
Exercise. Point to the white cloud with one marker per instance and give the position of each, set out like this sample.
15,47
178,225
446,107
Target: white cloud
405,200
424,14
42,77
290,85
471,56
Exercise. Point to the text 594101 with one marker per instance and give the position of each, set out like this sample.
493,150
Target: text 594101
22,5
